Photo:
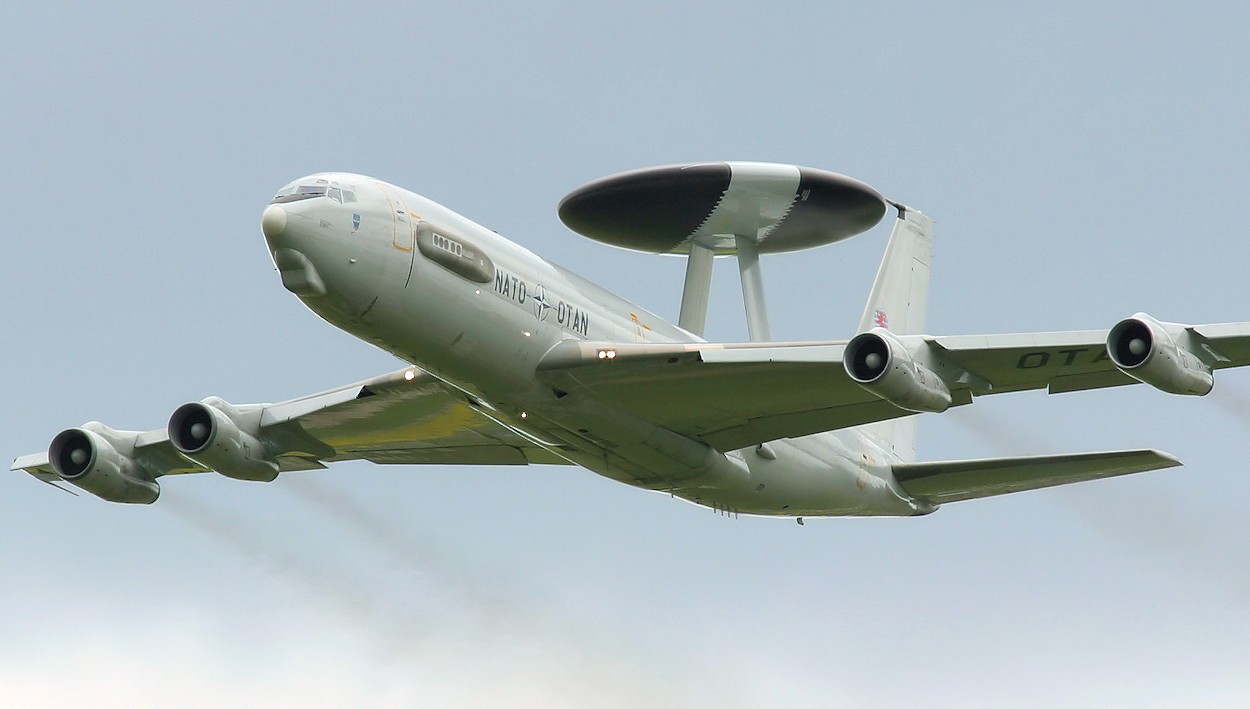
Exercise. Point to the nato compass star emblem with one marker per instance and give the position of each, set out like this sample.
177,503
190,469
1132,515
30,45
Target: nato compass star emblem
541,303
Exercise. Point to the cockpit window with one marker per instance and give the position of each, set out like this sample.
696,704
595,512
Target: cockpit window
295,193
310,187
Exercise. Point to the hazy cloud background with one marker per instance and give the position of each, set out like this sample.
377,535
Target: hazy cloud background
1082,163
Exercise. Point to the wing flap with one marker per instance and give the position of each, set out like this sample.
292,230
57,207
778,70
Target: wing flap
463,455
952,481
1088,380
1060,361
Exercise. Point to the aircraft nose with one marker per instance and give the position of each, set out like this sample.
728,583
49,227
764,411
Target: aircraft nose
273,221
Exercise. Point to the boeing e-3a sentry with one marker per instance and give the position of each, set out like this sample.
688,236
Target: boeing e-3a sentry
515,360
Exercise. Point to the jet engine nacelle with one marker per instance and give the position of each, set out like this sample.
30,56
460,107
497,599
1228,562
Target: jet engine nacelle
206,434
86,459
879,362
1146,350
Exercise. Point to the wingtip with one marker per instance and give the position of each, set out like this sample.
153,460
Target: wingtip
30,461
1169,460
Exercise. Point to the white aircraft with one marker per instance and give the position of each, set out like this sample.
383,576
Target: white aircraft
516,360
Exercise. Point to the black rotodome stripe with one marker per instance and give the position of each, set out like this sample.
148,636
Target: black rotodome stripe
650,210
833,204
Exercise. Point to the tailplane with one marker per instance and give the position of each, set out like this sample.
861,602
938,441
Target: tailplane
955,480
899,302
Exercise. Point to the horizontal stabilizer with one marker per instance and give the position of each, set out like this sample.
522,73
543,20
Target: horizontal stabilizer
952,481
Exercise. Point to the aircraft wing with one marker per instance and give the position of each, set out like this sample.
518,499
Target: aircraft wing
1074,361
405,417
952,481
726,395
734,395
395,419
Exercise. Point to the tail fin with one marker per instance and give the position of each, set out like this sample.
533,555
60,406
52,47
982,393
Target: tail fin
899,302
900,296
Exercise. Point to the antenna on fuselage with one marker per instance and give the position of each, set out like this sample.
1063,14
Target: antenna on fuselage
704,210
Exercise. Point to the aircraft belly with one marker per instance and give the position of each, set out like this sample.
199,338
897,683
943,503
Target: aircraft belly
794,484
803,477
814,475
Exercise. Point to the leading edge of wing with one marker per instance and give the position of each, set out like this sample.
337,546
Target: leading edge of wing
952,481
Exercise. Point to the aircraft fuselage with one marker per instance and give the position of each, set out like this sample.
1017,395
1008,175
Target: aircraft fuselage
479,312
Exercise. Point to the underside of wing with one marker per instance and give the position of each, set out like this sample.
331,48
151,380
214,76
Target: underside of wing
1079,360
951,481
734,395
406,417
726,395
1055,361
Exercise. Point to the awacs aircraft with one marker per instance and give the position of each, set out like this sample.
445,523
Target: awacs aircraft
516,360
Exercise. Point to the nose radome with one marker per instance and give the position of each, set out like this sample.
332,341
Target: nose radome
273,221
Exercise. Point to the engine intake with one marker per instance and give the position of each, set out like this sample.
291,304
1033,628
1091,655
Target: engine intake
1147,350
880,363
89,461
209,436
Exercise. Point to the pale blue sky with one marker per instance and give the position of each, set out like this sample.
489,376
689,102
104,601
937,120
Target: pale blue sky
1082,163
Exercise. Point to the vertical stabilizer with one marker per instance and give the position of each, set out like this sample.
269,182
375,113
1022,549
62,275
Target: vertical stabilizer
900,295
899,302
